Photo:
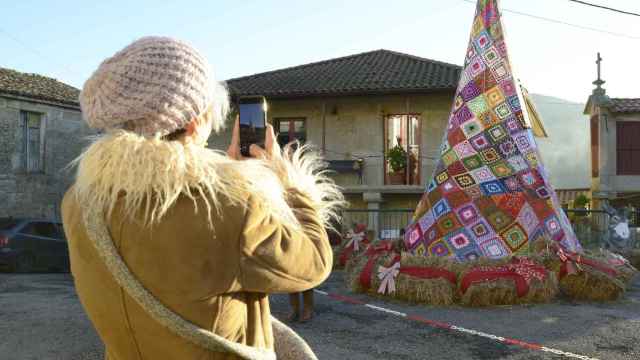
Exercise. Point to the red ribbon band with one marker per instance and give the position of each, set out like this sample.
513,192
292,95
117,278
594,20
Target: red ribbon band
521,270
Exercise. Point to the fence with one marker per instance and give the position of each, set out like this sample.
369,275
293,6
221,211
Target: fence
634,218
387,223
590,226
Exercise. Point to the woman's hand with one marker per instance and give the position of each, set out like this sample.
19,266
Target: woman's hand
270,144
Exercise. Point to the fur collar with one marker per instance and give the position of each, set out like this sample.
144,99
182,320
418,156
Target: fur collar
153,173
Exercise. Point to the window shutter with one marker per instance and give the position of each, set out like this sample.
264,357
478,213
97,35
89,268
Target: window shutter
628,147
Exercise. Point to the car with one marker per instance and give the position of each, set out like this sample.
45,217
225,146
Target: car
33,244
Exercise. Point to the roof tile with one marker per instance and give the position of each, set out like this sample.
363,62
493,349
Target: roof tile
619,105
379,71
37,87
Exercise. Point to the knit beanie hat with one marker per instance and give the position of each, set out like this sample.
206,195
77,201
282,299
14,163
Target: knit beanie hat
153,87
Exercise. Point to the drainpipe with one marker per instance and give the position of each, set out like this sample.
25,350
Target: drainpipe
324,128
407,169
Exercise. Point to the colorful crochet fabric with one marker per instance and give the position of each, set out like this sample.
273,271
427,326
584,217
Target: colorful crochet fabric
490,194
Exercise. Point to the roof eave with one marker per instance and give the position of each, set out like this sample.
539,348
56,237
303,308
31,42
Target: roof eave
41,100
625,111
346,93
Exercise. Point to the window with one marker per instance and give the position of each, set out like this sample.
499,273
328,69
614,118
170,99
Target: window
32,123
402,131
628,147
291,130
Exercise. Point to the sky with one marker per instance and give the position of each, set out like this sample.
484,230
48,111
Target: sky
67,39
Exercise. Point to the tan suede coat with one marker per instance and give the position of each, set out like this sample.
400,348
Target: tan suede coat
216,277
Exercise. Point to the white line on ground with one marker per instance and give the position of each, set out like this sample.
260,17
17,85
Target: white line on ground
471,331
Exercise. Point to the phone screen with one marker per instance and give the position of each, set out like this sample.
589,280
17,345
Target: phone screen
252,123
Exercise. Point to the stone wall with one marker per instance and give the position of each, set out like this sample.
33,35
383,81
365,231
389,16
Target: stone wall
38,195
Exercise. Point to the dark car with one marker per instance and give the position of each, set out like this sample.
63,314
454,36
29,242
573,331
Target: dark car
29,244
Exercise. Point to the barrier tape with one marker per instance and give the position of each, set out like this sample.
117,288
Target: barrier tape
446,326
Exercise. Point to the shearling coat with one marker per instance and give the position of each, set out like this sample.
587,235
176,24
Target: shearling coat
212,254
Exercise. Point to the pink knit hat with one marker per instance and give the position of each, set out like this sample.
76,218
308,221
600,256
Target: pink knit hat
154,86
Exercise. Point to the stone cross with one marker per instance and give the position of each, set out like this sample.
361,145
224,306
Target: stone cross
599,82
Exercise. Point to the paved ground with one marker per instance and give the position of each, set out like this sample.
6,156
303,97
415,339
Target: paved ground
40,318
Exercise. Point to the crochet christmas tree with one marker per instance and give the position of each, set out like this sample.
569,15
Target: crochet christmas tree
490,195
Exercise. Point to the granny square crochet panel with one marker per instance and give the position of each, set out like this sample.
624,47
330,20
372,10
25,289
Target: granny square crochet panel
490,194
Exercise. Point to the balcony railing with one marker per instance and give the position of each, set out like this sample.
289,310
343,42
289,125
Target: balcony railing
386,223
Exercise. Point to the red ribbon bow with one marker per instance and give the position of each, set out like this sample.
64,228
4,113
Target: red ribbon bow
373,252
571,260
352,246
422,272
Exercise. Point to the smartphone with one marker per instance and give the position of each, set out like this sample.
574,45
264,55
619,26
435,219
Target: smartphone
253,122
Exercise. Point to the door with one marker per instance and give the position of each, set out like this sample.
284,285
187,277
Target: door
402,149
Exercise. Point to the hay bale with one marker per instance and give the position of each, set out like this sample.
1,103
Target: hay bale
626,271
352,271
591,286
490,293
587,284
337,252
436,291
431,261
633,256
357,265
412,289
408,288
504,291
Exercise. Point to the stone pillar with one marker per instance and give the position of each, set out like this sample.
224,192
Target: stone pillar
373,200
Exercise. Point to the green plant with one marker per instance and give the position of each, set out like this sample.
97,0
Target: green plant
397,157
581,201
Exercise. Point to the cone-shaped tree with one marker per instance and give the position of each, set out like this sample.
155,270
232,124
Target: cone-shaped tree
490,193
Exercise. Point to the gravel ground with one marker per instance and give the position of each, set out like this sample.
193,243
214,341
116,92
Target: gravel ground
44,307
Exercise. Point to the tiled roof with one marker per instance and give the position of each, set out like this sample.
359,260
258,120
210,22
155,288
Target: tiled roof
619,105
37,87
379,71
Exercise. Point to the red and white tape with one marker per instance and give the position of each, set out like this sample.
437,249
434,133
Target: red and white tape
443,325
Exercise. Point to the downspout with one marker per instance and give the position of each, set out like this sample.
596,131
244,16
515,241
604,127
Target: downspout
324,127
407,169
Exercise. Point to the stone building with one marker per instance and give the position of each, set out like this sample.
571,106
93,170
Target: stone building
40,133
615,147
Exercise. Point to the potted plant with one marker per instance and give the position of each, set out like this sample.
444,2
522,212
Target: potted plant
580,218
397,159
581,202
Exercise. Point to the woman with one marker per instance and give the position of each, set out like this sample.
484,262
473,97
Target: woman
307,307
195,239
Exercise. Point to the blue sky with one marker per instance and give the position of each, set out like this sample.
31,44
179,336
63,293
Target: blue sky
68,39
